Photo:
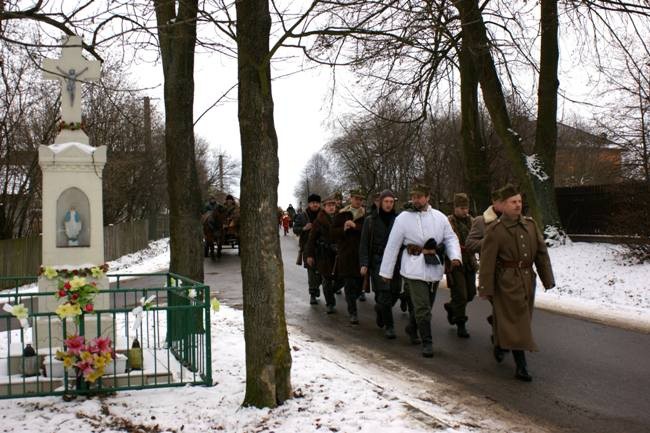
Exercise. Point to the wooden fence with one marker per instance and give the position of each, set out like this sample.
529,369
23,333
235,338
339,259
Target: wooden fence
22,257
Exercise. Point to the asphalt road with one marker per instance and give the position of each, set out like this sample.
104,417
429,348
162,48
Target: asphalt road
587,377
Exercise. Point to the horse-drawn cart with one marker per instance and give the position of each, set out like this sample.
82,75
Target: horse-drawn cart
220,228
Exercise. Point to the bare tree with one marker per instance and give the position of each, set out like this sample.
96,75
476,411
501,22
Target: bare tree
317,177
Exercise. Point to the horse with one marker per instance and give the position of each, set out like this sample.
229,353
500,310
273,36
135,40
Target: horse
220,227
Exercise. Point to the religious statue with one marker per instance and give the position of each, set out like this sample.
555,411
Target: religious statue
72,225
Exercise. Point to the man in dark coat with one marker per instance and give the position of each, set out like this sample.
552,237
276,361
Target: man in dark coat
321,250
461,280
510,248
302,227
346,230
374,236
292,214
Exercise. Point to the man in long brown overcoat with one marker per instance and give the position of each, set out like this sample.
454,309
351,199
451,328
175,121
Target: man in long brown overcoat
346,229
321,250
510,248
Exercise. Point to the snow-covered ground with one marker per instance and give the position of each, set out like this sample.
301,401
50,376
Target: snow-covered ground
344,393
596,281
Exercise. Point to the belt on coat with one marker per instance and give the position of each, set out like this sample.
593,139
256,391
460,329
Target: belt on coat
521,264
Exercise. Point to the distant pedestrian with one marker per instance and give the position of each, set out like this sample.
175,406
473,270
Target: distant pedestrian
425,232
286,222
511,246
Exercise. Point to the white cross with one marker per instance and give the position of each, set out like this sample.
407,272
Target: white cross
70,69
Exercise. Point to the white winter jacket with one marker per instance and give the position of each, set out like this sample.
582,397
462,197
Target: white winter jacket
416,228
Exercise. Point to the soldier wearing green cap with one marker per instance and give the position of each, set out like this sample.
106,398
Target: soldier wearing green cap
512,245
461,280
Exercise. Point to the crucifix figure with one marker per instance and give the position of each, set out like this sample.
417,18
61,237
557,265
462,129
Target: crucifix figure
70,69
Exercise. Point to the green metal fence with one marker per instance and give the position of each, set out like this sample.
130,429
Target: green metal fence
173,333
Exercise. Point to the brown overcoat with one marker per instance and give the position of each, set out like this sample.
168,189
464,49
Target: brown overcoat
321,246
348,241
512,288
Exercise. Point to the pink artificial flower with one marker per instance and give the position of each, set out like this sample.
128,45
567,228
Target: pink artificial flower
103,344
89,308
75,344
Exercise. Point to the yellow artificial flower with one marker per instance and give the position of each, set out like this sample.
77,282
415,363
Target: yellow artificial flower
68,361
19,311
86,356
68,310
50,273
97,272
60,355
96,374
76,283
214,303
99,361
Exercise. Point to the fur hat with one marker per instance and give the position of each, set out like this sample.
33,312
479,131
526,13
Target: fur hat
420,189
313,197
461,200
508,191
330,199
230,197
386,193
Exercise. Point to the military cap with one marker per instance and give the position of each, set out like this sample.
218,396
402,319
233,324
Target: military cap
508,191
357,193
496,194
330,199
313,197
461,200
338,195
420,189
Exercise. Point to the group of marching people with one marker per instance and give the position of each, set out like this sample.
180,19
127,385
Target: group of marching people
403,256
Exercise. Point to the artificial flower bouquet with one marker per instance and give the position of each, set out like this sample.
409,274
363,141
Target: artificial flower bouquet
89,358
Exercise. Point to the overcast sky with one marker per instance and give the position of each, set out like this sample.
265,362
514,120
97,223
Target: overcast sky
303,111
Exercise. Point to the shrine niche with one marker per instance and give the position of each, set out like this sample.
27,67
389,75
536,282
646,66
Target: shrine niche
72,219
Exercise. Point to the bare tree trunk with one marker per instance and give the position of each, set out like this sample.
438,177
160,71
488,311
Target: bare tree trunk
477,175
177,34
268,357
546,132
475,36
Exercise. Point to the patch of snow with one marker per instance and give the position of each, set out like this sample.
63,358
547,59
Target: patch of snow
594,280
555,236
535,167
329,398
60,147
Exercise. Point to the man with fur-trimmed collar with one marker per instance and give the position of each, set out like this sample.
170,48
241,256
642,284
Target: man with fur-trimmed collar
512,245
346,230
477,232
428,236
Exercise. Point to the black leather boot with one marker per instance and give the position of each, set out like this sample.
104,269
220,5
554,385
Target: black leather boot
461,330
427,340
387,315
499,354
412,331
520,372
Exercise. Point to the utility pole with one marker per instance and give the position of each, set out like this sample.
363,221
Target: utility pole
150,211
221,186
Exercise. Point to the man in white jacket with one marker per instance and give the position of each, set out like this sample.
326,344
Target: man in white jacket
423,231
